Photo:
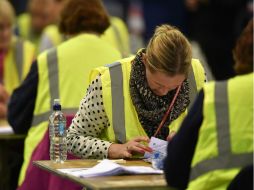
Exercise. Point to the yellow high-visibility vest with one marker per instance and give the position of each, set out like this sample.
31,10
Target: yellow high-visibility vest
17,63
116,34
25,31
225,142
63,73
52,36
123,118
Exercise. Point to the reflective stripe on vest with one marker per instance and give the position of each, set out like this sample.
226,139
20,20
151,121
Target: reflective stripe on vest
37,119
19,59
118,119
226,158
52,62
118,113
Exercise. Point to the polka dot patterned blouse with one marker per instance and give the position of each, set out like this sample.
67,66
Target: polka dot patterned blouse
88,123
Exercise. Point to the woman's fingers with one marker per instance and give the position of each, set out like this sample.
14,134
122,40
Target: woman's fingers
141,139
126,150
137,147
3,110
127,154
4,96
145,148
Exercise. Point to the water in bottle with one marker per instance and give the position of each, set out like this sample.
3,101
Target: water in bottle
57,134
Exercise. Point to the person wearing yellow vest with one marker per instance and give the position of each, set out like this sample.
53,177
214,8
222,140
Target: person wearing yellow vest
216,138
41,13
127,100
51,37
16,55
61,72
117,35
17,62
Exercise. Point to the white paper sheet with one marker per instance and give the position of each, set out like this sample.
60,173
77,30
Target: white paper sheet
6,130
157,145
109,168
70,170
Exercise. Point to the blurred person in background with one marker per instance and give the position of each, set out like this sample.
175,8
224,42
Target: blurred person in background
144,15
136,25
41,13
117,8
61,72
216,138
117,35
127,100
215,25
51,36
16,57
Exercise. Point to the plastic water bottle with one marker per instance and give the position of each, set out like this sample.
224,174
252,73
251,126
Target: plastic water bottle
57,134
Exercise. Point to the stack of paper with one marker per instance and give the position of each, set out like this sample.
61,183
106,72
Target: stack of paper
109,168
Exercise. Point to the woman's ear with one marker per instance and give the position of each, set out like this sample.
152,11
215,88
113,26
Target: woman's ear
145,62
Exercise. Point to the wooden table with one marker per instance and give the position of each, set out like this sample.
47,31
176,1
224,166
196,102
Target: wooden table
6,132
11,157
10,136
133,182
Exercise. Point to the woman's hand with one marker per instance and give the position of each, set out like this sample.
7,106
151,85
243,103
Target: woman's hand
126,150
4,96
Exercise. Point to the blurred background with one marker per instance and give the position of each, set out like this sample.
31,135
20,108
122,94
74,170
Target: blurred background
212,26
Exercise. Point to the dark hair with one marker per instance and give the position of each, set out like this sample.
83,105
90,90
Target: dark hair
83,16
243,51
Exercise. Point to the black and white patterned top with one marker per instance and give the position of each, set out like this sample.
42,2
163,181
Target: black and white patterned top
88,124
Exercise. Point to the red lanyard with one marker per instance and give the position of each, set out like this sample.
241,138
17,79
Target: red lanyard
167,113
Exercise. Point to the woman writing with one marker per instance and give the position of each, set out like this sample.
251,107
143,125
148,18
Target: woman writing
128,102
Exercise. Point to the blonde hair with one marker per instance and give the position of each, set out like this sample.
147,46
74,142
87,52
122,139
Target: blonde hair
169,51
7,11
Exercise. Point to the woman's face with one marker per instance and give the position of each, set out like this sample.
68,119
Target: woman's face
42,14
5,33
161,84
